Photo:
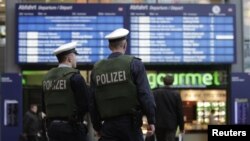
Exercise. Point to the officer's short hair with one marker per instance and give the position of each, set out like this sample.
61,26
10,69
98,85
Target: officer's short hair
116,44
168,79
61,58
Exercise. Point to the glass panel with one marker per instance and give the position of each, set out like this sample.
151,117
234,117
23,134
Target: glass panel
2,35
197,107
246,18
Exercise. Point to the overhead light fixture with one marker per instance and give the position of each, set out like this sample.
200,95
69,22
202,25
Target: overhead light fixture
204,1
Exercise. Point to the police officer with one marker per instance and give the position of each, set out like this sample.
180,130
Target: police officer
121,94
65,95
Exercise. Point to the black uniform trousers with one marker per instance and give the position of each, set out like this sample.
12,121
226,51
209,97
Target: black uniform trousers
32,138
63,131
163,134
120,129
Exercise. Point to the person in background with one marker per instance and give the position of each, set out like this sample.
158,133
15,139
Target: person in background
32,124
121,94
65,97
169,112
212,117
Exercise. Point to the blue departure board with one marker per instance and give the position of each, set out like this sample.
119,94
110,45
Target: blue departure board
43,27
159,33
183,33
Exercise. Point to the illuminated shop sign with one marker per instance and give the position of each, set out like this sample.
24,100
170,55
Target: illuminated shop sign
189,79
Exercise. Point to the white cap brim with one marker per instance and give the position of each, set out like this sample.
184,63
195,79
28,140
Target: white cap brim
116,34
65,47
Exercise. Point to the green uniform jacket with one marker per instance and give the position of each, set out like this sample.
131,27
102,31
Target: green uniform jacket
58,94
115,93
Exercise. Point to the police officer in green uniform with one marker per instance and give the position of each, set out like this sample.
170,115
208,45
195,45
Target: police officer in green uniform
65,95
120,94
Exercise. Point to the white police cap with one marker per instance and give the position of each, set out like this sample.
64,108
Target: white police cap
118,34
66,49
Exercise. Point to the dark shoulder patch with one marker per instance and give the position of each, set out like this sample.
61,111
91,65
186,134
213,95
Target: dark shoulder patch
71,71
137,58
98,62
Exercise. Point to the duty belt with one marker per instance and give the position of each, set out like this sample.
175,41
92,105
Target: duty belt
60,121
65,121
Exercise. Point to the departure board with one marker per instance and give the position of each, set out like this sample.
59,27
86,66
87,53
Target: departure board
183,33
41,28
159,33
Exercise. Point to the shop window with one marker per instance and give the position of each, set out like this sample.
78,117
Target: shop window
197,106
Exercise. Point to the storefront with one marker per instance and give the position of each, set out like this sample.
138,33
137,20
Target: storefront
202,89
